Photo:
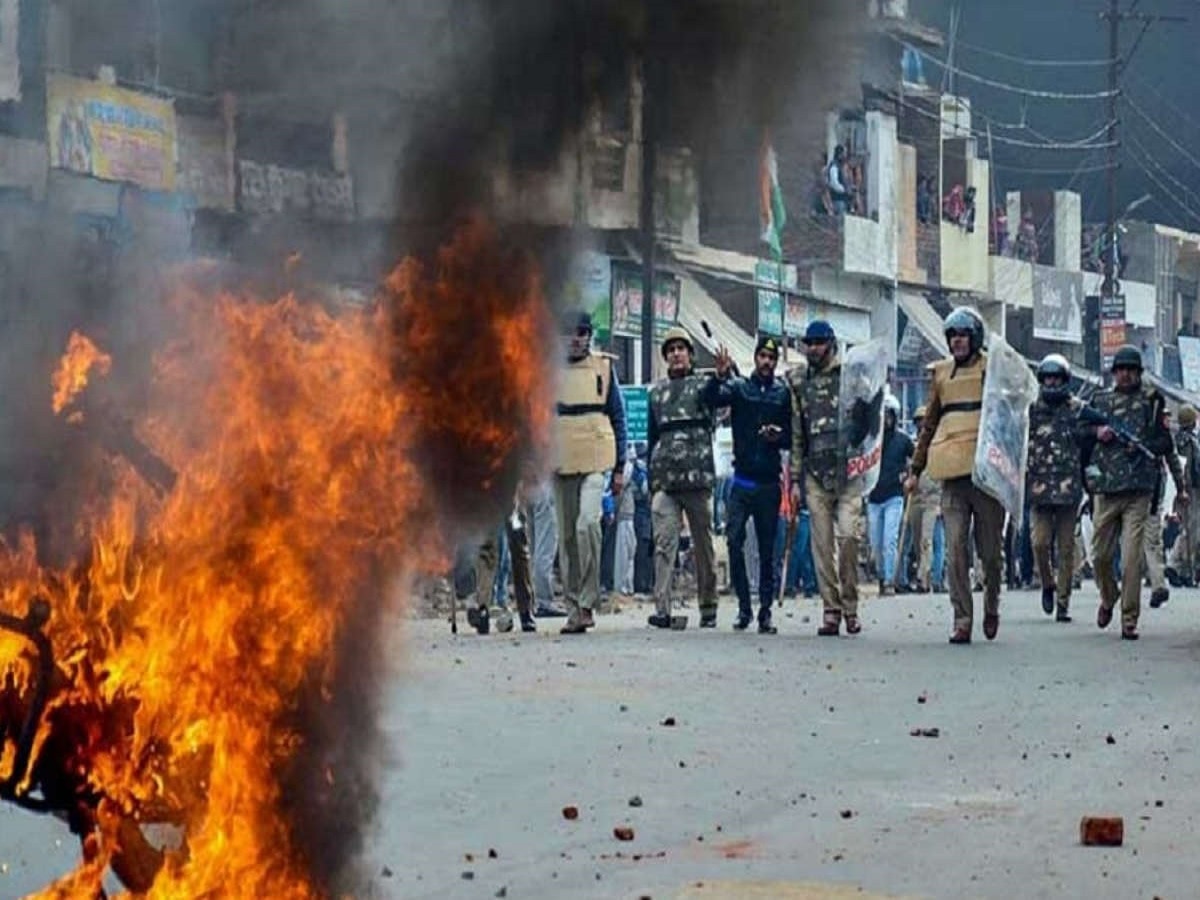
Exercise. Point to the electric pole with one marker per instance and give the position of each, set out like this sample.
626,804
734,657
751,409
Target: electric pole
650,99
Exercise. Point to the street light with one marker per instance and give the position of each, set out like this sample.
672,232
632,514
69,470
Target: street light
1145,198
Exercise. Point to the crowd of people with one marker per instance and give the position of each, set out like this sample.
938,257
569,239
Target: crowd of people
796,517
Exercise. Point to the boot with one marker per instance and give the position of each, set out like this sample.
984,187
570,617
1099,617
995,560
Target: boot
527,623
742,622
887,590
853,626
1062,615
659,620
1048,600
832,624
708,618
1158,597
961,636
477,618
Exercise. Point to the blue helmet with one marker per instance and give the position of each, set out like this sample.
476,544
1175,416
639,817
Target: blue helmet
819,331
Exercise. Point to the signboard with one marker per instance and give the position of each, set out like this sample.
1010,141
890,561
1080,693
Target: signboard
795,315
1189,363
771,303
1057,305
267,188
637,413
627,301
204,166
10,61
110,133
589,287
1112,329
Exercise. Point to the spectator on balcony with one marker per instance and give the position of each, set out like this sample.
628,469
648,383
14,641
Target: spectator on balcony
1027,238
967,219
925,194
835,180
855,181
822,203
953,204
999,235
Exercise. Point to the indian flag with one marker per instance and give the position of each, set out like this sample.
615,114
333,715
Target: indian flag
771,210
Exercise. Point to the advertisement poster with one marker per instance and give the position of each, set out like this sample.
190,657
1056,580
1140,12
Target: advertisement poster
10,62
589,287
627,301
1112,329
205,175
1189,362
637,412
110,133
771,302
1057,305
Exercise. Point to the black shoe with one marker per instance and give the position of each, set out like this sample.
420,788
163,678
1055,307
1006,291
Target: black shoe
477,618
658,620
1172,577
1158,597
708,620
527,623
550,611
1048,600
1061,615
790,593
741,623
765,627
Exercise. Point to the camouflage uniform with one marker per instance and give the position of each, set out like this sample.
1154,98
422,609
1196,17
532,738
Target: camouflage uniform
1125,484
1184,555
834,506
1054,490
681,481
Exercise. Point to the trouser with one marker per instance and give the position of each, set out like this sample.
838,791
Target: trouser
759,503
1187,553
836,521
624,560
578,508
964,507
922,522
545,544
1120,516
1152,550
1054,527
884,523
802,570
485,563
667,510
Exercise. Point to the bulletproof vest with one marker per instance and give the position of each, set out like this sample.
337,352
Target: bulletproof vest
1054,475
1122,472
959,390
584,436
823,457
682,459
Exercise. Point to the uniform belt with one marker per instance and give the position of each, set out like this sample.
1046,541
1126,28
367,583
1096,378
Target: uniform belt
579,409
684,424
962,406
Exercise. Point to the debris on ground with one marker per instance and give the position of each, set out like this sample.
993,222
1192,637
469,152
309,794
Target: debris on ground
1102,831
926,732
570,812
623,833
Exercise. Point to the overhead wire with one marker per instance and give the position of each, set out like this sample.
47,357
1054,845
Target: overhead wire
1148,157
1027,61
1161,132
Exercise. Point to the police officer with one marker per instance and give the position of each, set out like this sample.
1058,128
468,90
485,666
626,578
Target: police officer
924,507
681,477
834,504
486,564
590,440
1183,556
761,420
946,448
1125,480
1055,481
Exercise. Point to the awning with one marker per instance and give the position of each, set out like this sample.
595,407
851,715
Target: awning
1172,391
925,319
697,307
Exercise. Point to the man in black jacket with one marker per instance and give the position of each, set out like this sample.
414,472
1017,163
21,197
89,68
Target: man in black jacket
761,420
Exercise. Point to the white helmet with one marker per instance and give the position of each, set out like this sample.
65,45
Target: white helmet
892,404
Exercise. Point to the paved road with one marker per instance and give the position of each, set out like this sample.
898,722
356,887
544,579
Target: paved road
790,770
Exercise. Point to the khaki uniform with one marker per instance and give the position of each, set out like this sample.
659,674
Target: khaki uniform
681,478
586,449
834,505
946,449
924,507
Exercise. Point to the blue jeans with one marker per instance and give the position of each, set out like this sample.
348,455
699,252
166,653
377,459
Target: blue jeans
503,569
884,529
802,572
939,552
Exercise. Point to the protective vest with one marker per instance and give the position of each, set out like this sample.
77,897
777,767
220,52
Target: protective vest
682,459
1121,472
959,390
823,457
584,435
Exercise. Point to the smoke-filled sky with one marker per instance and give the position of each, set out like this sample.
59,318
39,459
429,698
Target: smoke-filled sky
1160,104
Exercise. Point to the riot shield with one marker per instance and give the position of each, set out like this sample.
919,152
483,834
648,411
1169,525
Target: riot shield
1000,453
860,411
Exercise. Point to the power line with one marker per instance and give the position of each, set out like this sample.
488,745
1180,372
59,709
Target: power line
1026,61
1147,157
1165,191
1163,134
1051,170
1004,86
1172,107
1083,144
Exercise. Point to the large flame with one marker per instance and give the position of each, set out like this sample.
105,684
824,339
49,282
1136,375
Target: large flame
211,628
74,369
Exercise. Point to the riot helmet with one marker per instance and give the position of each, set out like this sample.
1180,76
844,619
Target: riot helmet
964,320
1127,357
1054,364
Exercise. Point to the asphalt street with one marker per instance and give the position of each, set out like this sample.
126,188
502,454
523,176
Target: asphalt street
785,766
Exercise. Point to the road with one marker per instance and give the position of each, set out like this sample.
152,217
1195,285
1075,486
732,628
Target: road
790,770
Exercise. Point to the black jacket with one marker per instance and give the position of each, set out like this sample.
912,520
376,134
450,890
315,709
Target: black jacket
754,403
897,451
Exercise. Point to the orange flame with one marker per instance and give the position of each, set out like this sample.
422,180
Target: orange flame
73,370
209,628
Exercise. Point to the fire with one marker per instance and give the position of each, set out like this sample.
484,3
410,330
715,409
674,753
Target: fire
210,653
73,370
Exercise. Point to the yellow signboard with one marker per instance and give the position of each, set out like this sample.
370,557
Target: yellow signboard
110,133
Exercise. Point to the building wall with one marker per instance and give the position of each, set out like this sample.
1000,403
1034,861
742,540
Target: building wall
1067,230
870,243
907,268
965,265
1012,281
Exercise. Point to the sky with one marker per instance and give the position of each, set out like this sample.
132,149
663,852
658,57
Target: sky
1158,116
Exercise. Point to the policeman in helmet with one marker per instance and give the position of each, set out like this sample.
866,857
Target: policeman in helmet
946,452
